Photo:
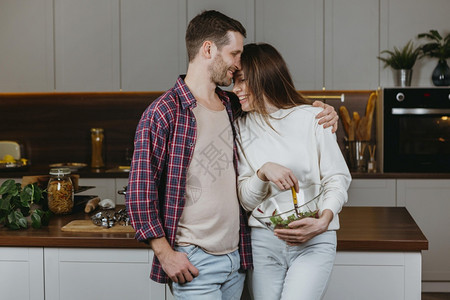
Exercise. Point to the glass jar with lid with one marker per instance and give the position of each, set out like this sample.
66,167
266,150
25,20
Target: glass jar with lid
97,137
60,191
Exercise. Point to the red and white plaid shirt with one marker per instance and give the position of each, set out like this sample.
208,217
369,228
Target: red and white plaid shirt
163,147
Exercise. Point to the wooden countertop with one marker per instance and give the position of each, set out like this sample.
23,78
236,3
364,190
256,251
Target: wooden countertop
52,236
362,229
379,228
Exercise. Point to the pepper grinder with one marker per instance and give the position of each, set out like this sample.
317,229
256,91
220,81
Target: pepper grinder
97,148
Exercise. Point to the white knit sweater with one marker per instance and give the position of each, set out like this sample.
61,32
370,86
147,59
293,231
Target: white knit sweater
298,143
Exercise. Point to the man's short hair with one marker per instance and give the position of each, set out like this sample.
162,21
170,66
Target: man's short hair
210,25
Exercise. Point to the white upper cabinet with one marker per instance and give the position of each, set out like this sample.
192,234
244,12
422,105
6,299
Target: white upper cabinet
152,44
26,46
331,44
295,28
138,45
87,45
351,44
153,50
403,20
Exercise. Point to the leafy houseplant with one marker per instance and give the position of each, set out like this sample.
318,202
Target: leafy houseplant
402,61
17,203
439,48
403,58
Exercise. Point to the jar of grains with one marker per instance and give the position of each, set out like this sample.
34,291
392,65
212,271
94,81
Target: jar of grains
60,191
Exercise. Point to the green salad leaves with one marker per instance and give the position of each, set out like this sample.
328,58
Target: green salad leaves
279,222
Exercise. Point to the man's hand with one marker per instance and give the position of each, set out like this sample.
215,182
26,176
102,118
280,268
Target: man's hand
305,229
175,264
328,116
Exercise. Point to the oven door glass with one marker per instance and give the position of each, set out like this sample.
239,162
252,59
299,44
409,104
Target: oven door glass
418,143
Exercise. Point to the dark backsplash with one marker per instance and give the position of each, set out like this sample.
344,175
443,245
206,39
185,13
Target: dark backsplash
55,127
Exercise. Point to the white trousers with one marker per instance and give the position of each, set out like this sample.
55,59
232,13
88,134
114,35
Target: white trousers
290,272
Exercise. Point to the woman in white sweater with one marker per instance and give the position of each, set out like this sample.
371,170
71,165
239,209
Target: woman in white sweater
281,145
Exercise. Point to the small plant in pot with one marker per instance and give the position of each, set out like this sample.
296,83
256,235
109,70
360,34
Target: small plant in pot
402,61
19,205
439,48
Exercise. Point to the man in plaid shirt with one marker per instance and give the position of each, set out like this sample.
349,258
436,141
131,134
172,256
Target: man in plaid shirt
181,195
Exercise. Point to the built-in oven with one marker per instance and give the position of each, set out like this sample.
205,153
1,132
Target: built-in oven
416,130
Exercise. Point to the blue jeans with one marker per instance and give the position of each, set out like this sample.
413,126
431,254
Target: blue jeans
290,272
219,276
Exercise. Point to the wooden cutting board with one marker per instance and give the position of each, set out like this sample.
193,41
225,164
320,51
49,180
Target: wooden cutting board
88,226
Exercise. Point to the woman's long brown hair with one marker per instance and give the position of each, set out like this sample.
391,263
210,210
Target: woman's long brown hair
269,78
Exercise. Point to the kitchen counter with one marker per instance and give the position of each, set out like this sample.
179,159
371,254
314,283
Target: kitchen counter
86,172
113,171
379,228
52,236
362,228
379,257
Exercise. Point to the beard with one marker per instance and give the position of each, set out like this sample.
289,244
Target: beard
219,72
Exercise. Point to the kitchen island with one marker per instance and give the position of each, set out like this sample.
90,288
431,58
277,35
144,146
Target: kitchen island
379,256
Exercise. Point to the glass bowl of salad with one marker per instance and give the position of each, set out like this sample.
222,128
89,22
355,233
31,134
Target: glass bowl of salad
287,206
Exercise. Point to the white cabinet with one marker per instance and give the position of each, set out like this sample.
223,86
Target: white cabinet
38,273
77,273
403,20
371,276
26,46
21,273
428,202
351,44
375,275
295,28
93,274
372,192
87,45
138,45
331,44
153,51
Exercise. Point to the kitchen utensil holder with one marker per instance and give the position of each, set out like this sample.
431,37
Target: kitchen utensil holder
358,155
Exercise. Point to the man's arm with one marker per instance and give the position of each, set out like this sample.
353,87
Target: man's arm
142,197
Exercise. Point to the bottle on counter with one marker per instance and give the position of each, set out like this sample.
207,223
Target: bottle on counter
97,148
60,193
372,164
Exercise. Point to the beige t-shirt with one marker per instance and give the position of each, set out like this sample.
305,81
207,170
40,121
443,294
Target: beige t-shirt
210,217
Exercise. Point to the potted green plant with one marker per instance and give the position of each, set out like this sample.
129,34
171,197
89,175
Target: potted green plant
402,61
438,47
18,204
